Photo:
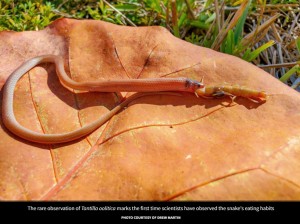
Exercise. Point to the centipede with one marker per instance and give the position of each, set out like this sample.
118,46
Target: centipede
233,91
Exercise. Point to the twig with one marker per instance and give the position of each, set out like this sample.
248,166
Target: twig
279,47
190,9
208,33
222,10
168,16
294,23
286,65
174,18
128,20
57,12
276,34
273,62
217,15
296,83
61,4
282,5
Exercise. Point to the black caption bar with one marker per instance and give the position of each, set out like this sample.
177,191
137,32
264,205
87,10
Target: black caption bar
129,211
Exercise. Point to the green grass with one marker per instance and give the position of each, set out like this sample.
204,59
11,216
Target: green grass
25,15
253,30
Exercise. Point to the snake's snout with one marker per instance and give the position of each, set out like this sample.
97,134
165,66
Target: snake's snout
200,85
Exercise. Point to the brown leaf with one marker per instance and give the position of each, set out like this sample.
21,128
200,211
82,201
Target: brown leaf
161,147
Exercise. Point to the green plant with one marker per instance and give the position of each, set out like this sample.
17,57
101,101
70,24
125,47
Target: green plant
25,15
236,27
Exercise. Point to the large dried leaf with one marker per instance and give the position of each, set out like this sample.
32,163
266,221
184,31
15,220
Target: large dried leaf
161,147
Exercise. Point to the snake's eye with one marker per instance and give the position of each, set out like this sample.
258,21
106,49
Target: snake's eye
200,85
194,84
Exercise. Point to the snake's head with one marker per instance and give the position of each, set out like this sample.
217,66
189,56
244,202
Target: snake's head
194,85
199,85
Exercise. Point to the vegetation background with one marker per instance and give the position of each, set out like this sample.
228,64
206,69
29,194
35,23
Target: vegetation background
263,32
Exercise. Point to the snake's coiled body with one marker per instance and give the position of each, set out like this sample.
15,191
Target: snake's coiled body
130,85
